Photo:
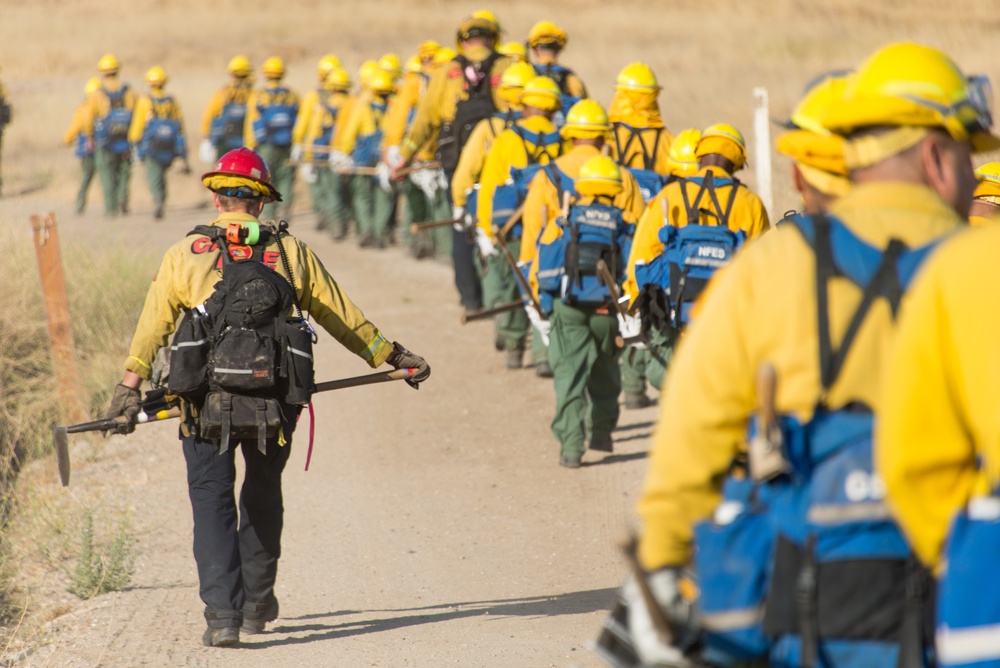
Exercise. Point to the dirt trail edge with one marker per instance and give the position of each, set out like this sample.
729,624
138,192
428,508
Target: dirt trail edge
433,528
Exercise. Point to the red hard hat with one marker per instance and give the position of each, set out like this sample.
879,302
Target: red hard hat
247,163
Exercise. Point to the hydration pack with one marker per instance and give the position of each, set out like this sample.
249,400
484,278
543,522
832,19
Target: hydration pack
650,182
240,356
366,147
162,139
508,196
111,131
559,74
82,150
277,109
804,564
478,84
327,126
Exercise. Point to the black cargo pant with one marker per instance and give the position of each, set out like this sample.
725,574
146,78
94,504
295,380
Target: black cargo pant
463,250
237,562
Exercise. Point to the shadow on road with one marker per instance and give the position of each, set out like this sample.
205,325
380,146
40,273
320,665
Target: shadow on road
575,603
617,459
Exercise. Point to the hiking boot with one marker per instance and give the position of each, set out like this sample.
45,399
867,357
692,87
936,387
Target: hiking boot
637,400
257,615
602,444
570,462
543,369
499,344
514,356
366,240
158,213
227,636
124,209
340,234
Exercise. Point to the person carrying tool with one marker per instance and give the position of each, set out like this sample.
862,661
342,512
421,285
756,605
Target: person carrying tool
512,161
311,106
546,41
76,134
222,125
986,200
157,132
237,557
799,325
459,95
271,114
110,116
358,146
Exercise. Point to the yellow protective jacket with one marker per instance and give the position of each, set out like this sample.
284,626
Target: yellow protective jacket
939,415
573,83
309,106
191,268
234,93
263,98
402,112
78,125
748,214
99,104
365,119
511,149
763,309
473,156
148,108
328,116
444,90
543,193
639,138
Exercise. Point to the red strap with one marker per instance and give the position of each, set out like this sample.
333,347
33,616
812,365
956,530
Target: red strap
312,434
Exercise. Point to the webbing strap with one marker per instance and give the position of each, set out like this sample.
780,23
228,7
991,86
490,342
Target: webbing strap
261,418
708,185
226,405
537,140
635,134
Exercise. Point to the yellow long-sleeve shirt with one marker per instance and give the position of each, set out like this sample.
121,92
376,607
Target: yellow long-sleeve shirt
763,309
309,106
365,119
510,150
573,85
148,108
235,93
748,214
78,125
939,414
444,90
191,268
641,147
328,117
99,104
543,193
473,156
401,114
263,98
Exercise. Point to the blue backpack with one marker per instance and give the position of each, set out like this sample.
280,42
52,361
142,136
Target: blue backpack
366,147
559,74
111,131
567,266
693,253
808,568
82,150
277,109
162,140
326,132
650,182
508,196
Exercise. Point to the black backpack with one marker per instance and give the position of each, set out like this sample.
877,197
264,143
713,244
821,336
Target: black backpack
239,356
468,112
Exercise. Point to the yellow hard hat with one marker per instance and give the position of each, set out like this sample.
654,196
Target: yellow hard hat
989,180
586,119
483,23
240,66
337,79
413,65
637,76
273,68
913,86
390,64
541,93
327,64
366,71
547,33
444,56
92,85
725,140
156,76
513,80
515,51
600,175
427,49
381,82
681,160
108,64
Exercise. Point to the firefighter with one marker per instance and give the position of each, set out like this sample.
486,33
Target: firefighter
328,188
270,121
157,132
110,112
222,125
546,41
237,560
84,150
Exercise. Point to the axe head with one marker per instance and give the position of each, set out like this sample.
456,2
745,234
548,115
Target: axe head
60,440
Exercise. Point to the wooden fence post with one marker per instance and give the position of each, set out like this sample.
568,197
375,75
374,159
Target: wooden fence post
50,268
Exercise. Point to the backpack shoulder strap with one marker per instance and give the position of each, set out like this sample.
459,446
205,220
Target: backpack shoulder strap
622,149
648,154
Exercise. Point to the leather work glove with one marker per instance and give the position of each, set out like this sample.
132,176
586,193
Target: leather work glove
206,151
340,161
384,176
629,327
428,180
486,246
401,358
296,154
541,326
124,402
648,641
308,173
458,215
393,156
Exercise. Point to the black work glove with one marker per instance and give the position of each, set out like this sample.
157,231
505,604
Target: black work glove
124,402
401,358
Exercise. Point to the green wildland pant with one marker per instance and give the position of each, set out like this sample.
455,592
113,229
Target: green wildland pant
372,207
87,172
115,170
330,200
282,178
634,363
659,354
156,177
500,287
584,362
422,209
